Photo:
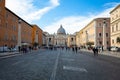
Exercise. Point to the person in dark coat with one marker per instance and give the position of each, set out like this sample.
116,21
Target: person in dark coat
73,49
93,51
76,49
96,51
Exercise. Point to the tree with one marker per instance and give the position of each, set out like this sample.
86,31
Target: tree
90,43
118,39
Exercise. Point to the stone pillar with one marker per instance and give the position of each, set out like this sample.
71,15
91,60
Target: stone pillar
19,33
36,37
104,36
95,38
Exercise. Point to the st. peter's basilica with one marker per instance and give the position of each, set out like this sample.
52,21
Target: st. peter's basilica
60,38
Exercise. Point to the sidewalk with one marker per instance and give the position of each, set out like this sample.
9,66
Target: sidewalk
8,53
108,53
2,54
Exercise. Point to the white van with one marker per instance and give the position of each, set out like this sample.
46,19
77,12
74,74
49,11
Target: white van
114,48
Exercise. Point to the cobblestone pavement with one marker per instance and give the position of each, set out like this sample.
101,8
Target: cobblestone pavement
60,65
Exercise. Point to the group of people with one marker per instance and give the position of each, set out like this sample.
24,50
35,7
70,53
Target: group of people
75,49
25,49
95,51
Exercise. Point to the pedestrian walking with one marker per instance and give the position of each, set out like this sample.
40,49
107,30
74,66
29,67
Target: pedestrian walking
93,51
76,49
73,49
96,51
19,48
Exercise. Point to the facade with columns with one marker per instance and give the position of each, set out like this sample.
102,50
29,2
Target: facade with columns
97,32
61,39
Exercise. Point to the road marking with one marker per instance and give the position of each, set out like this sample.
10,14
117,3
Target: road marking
75,69
55,68
67,59
17,62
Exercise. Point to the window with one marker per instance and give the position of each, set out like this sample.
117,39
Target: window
6,37
14,28
107,43
49,39
6,25
112,28
71,39
106,34
0,9
99,24
113,41
0,21
100,42
116,15
99,34
14,19
116,26
106,24
13,37
112,18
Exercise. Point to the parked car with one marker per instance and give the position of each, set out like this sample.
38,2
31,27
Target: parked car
4,49
114,48
13,49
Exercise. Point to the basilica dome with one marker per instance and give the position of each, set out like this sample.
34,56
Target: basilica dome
61,30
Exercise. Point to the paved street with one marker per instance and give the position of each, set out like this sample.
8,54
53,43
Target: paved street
59,65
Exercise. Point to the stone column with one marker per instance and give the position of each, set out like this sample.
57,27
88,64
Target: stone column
19,33
95,37
104,35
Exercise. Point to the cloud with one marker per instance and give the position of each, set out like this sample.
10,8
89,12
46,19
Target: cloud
76,23
54,3
28,11
111,4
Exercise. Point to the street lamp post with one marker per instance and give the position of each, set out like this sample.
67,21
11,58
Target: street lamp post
19,33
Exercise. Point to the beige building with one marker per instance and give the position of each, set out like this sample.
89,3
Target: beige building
71,41
59,39
96,33
78,39
115,26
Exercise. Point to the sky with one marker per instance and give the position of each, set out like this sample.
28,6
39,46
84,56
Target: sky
73,15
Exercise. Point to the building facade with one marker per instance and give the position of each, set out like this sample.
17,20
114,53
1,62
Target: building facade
2,21
14,31
60,39
96,33
71,40
37,35
115,26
